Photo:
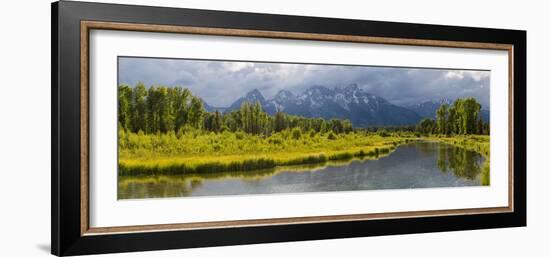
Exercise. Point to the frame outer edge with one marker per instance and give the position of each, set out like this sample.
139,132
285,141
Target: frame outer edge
520,118
525,126
67,115
64,222
55,230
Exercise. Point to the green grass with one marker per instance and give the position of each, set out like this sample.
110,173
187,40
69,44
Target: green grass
200,152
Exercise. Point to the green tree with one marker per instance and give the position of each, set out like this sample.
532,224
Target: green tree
467,114
153,108
257,118
125,106
346,126
280,122
196,112
337,126
463,117
479,129
471,110
139,104
452,121
441,118
217,121
181,107
426,126
324,128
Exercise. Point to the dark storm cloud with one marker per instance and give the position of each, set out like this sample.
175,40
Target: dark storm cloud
220,83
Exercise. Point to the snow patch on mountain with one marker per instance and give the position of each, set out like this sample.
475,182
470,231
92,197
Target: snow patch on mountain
348,102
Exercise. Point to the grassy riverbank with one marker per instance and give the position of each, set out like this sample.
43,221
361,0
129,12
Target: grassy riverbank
205,153
199,152
476,143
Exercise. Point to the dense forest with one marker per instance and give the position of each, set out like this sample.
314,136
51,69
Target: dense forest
163,109
461,118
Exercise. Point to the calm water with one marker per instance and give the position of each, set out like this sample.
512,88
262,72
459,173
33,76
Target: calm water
415,165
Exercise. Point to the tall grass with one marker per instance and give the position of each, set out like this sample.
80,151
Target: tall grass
198,152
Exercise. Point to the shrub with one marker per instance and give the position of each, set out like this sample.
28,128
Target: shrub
340,156
239,135
331,136
217,147
296,133
275,141
383,133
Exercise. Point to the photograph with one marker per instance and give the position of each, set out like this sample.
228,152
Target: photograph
176,127
200,127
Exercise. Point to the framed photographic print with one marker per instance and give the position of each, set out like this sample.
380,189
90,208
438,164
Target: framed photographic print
177,128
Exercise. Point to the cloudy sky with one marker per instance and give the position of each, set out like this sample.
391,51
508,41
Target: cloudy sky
220,83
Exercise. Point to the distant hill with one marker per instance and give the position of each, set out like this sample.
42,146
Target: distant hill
427,109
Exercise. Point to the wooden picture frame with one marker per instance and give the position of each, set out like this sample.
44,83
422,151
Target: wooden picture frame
71,25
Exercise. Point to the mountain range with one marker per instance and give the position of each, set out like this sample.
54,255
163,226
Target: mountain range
351,102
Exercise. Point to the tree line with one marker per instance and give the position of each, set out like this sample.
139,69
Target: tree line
461,118
163,109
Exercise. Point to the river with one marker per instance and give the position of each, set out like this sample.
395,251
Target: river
418,164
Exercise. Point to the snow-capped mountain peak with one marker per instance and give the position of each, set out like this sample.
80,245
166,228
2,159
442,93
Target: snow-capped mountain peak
283,95
255,95
348,102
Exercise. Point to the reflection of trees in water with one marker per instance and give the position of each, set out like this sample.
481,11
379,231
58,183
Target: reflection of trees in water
426,149
153,187
442,160
463,163
135,187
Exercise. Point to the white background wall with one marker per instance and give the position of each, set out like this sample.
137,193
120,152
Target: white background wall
25,127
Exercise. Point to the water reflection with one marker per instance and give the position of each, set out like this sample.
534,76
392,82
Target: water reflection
415,165
463,163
